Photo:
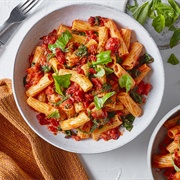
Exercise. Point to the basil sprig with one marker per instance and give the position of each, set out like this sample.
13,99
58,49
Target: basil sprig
61,81
103,58
125,81
61,42
99,102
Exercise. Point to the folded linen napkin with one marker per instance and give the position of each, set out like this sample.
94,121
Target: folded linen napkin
23,154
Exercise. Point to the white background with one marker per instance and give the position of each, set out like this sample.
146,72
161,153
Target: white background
130,161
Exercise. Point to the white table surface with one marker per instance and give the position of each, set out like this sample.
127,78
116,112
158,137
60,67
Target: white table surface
130,161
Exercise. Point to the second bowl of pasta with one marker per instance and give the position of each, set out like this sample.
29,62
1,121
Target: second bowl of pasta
164,147
92,83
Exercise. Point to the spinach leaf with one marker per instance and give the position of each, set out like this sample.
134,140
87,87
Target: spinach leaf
125,81
173,59
61,42
99,102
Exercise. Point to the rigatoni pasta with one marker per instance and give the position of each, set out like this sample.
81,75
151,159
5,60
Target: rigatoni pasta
79,81
168,157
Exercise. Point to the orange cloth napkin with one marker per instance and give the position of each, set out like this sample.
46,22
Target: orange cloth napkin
23,154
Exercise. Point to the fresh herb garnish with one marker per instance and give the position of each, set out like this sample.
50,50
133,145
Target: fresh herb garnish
61,81
175,38
46,68
103,58
100,72
61,42
55,114
135,96
162,15
82,51
125,81
128,121
99,102
146,59
174,165
173,59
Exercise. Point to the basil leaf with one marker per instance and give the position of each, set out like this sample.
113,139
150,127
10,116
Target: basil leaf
134,7
169,14
146,59
61,42
100,73
175,38
108,70
49,56
174,5
128,121
141,13
174,165
55,114
136,97
103,58
46,68
125,81
159,23
61,81
99,102
173,59
82,51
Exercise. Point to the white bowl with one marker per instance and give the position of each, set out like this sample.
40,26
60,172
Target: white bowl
156,137
66,15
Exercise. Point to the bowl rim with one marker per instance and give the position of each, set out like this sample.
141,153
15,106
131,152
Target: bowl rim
144,30
155,134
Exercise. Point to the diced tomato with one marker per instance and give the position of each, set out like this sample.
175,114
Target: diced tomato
111,134
60,56
143,88
112,44
97,83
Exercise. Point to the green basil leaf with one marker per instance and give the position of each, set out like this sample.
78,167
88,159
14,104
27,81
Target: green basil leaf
45,68
173,59
108,70
136,97
141,13
61,42
103,58
175,38
99,102
55,114
134,7
82,51
174,5
100,72
168,12
61,81
159,23
125,81
128,121
174,165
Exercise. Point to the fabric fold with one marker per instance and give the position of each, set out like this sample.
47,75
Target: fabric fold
22,148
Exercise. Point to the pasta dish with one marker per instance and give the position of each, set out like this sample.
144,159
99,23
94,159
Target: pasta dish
168,158
88,80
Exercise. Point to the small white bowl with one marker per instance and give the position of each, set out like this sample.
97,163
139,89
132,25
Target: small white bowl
65,16
156,137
